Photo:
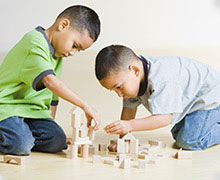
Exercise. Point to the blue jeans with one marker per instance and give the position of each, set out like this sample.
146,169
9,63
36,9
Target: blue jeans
198,130
20,135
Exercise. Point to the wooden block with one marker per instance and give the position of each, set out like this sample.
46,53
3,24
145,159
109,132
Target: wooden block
111,162
92,150
121,157
128,136
134,146
18,159
152,148
134,157
73,151
96,159
83,139
143,156
76,120
85,150
141,164
75,134
79,142
126,163
184,154
157,143
144,151
120,146
103,147
84,131
164,155
80,133
127,147
91,133
96,146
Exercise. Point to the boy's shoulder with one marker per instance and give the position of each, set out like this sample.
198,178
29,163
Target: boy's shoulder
34,38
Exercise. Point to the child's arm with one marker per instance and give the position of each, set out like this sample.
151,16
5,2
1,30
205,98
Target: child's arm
53,111
59,88
143,124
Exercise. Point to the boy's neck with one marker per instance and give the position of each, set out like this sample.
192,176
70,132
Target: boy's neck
49,33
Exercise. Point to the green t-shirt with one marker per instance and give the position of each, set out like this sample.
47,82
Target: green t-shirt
22,92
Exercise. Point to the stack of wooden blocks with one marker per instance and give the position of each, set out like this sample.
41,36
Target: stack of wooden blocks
80,135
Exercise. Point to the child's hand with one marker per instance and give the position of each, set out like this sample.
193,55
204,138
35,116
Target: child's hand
112,147
118,127
92,114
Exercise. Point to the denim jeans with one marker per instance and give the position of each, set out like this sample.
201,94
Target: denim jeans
20,135
198,130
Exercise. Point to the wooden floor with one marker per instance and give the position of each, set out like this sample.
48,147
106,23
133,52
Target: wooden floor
204,165
42,166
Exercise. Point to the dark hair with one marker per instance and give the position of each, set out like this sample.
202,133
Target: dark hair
82,17
114,57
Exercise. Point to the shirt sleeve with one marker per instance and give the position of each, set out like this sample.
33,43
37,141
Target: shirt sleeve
131,103
166,99
36,66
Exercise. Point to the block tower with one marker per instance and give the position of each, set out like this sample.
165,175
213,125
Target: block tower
81,135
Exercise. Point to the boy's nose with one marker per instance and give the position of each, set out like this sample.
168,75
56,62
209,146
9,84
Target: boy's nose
72,52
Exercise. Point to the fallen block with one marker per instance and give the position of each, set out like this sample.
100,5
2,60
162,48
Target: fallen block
111,162
18,159
126,163
184,154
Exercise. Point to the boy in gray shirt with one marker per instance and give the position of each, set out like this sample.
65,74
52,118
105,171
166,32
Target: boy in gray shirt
174,90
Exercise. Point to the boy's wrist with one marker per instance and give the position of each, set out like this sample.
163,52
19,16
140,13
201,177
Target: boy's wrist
131,123
84,105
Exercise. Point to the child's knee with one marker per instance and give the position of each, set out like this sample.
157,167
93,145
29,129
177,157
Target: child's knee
58,142
20,146
190,144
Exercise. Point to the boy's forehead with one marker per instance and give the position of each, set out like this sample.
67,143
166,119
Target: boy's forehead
112,79
82,38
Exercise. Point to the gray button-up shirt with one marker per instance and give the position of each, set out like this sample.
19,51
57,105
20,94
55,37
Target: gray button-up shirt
178,85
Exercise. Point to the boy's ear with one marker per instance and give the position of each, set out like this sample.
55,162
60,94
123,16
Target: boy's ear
134,69
63,24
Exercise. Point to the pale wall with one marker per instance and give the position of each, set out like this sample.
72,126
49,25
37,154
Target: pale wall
137,23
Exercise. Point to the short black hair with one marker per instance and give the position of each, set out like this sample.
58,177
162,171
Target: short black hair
83,18
114,57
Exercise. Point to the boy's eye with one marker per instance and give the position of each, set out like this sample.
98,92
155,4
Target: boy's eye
76,47
118,87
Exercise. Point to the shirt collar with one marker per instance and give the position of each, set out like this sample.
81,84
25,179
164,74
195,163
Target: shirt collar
41,29
144,84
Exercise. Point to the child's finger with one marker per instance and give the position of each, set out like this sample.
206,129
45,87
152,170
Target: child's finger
96,127
112,124
110,147
117,131
113,129
114,147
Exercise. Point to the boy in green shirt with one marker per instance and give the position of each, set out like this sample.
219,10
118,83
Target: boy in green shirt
30,84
